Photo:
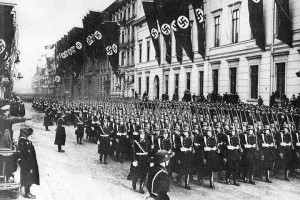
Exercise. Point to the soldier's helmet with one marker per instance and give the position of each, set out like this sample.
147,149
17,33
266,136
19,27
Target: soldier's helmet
250,127
161,156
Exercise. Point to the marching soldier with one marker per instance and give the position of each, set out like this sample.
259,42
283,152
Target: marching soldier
250,154
284,151
267,152
79,127
121,141
104,141
211,159
232,156
158,179
186,158
141,161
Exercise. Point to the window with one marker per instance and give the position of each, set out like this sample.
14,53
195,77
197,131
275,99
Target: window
128,56
132,78
217,31
140,51
140,85
254,81
133,9
215,76
129,12
176,83
166,84
123,37
232,74
122,58
147,84
201,84
148,50
235,26
280,76
188,81
132,56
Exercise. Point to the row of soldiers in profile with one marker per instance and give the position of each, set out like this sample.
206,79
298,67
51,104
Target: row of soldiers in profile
242,140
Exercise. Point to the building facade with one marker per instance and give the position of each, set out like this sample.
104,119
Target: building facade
233,62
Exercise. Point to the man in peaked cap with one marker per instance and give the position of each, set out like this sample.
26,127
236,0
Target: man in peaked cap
6,122
158,179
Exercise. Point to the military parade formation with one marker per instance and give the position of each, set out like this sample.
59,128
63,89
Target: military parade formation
231,142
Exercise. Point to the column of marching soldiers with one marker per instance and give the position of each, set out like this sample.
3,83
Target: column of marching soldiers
236,142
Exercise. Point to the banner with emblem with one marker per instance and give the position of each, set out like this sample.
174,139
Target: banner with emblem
7,35
256,19
198,7
183,28
164,19
151,18
111,37
178,47
285,32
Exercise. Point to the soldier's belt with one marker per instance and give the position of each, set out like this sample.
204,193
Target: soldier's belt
142,154
249,146
298,144
210,148
185,149
267,145
283,144
135,133
121,134
233,147
104,135
80,123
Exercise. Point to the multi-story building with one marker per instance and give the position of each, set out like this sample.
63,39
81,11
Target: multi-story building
124,12
233,62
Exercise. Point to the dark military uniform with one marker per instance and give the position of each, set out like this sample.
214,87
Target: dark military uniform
140,168
232,155
158,183
104,142
249,156
28,164
186,159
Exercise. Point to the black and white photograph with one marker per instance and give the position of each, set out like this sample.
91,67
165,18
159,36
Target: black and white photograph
149,99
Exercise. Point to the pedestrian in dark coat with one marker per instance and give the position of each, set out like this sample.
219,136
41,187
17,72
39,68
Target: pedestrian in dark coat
60,137
28,162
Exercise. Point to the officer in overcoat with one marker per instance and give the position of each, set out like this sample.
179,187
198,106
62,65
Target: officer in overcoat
28,162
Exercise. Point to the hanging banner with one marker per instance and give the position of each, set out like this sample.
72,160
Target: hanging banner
151,18
164,20
256,19
112,32
285,32
182,18
198,7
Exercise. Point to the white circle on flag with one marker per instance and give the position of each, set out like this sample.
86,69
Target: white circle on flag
154,33
256,1
174,26
2,46
78,45
109,51
183,22
98,35
199,15
115,48
166,29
